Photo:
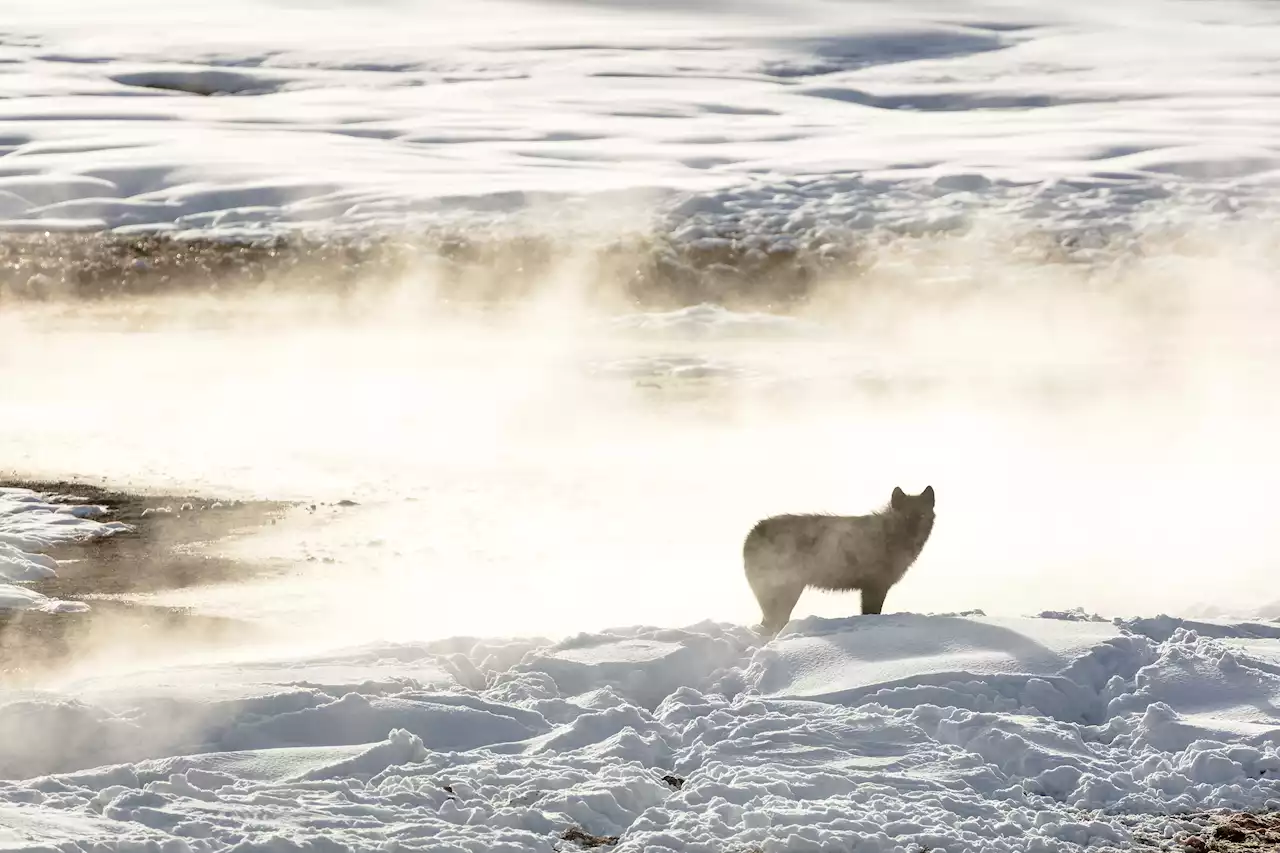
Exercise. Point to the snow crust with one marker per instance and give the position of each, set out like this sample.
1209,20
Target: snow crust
890,733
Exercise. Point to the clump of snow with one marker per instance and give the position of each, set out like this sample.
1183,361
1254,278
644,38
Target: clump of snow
29,525
892,733
16,598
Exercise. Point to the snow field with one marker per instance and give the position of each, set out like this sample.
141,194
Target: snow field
790,121
890,733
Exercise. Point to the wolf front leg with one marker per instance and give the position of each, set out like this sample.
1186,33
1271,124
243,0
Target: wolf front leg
873,599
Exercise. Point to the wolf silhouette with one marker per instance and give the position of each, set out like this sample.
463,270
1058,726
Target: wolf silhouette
784,554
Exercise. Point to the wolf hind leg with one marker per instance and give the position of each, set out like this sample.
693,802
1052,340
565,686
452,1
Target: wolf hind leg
776,604
776,588
873,599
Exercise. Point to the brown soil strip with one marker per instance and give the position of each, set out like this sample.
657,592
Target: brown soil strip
642,270
1236,833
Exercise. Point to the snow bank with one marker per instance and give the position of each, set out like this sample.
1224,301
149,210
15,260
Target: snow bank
889,733
31,523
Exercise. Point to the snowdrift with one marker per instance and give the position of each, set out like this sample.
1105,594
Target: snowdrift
889,733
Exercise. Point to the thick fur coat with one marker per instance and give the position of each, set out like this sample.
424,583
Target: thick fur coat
784,554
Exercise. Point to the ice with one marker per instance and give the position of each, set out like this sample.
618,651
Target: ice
31,524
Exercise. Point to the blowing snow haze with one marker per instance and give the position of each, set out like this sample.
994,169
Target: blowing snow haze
535,308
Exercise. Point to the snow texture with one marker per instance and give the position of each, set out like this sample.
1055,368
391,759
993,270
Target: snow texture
31,524
785,119
888,733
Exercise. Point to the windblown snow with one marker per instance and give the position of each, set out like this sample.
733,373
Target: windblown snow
889,733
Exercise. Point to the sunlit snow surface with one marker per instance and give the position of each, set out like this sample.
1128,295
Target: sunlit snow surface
146,114
882,733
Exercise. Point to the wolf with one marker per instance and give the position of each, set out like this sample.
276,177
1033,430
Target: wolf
784,554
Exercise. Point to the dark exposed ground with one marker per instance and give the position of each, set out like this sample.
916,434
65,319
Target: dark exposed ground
651,271
156,555
1220,832
81,267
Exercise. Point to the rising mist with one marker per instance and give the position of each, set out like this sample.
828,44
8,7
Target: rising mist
1098,432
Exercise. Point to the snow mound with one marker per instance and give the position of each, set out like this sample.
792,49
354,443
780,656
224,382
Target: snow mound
642,666
31,524
893,732
903,661
16,598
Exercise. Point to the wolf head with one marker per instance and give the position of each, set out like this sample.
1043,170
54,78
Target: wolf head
920,505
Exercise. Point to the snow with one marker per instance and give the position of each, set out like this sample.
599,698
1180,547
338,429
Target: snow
815,664
892,733
30,524
814,115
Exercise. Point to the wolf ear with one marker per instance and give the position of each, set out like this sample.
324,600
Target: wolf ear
898,498
927,494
